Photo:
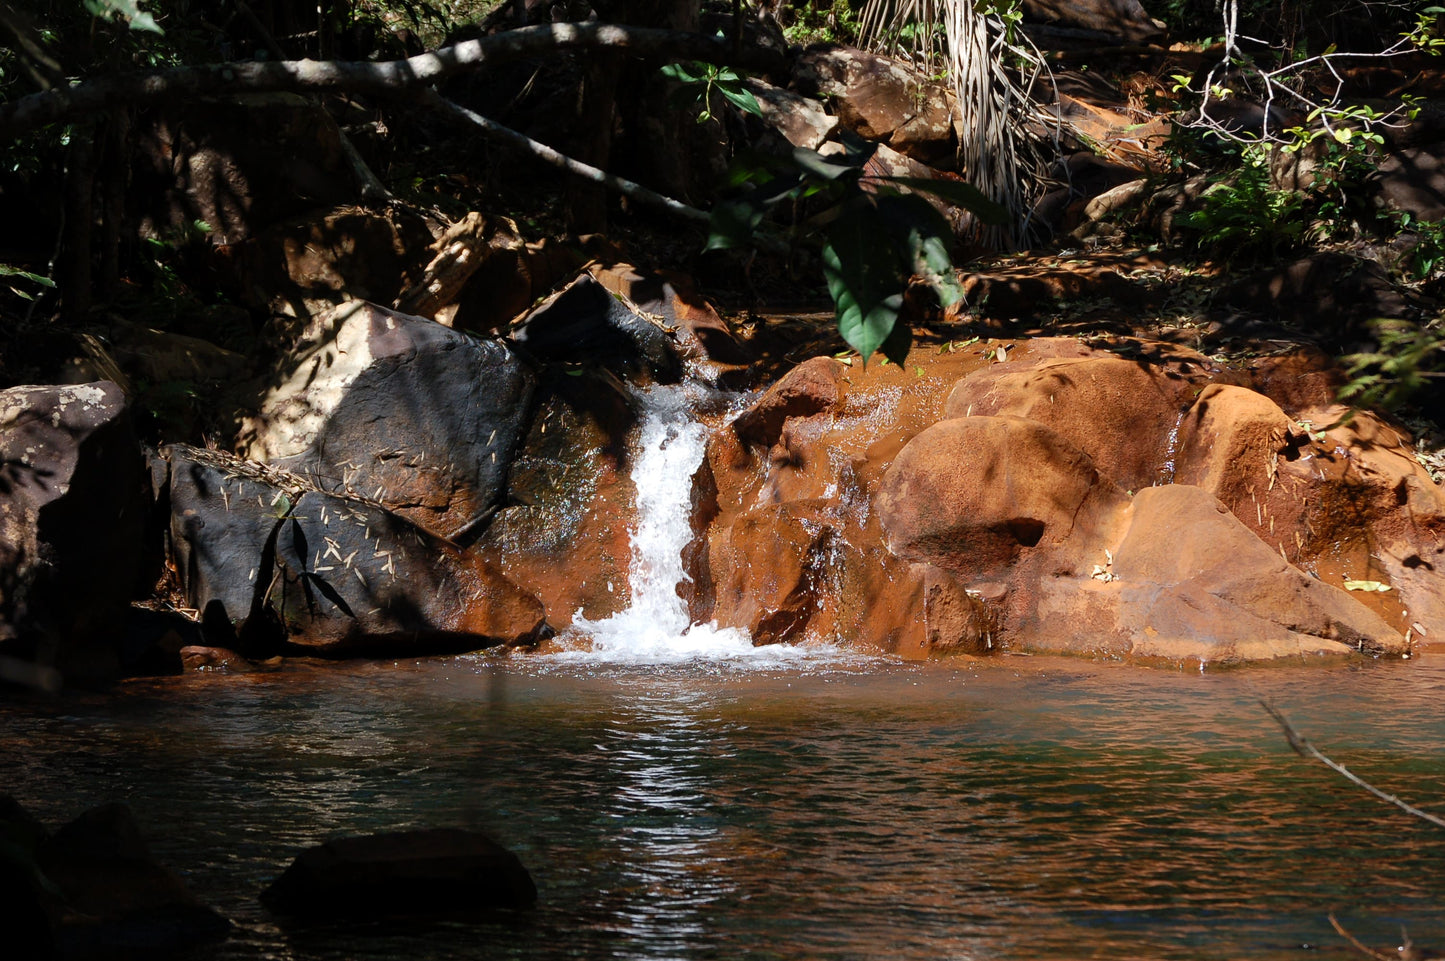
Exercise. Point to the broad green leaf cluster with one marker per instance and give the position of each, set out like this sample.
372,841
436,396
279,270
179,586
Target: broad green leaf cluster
875,233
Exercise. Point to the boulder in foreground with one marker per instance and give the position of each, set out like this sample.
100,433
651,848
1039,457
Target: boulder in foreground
438,871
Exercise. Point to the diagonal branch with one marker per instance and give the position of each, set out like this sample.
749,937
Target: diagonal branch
576,168
1304,748
383,77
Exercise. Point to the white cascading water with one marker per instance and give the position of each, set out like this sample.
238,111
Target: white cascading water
657,627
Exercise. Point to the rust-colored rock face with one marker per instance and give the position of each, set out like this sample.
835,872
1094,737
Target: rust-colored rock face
1115,499
564,532
794,549
977,496
1121,411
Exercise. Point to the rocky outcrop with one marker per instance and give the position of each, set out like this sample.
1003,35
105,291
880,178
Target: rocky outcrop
430,873
400,410
74,502
309,264
1121,19
238,164
881,99
585,322
1061,560
1119,499
293,568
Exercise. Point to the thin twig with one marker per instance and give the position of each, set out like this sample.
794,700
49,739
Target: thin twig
1304,748
1358,946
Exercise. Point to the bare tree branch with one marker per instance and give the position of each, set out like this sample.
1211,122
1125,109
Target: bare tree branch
561,161
1304,748
384,77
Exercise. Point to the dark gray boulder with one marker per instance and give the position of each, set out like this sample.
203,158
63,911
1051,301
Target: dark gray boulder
400,410
354,578
274,565
440,871
584,322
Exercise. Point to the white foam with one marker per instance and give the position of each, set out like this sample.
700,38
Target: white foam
656,628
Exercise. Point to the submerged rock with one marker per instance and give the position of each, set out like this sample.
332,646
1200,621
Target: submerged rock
433,872
93,889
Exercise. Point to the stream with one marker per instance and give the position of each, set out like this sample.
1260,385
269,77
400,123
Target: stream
1020,808
679,794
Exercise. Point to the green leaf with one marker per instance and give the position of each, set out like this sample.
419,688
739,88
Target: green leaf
816,164
864,280
680,73
959,194
742,98
8,271
733,223
128,10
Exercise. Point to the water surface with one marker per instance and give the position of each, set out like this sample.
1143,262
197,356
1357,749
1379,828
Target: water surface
1016,808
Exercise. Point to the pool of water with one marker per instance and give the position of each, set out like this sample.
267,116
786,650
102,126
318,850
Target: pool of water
822,808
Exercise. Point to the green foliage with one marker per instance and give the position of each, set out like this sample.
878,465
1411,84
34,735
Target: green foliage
9,274
1245,217
1409,356
809,23
1427,256
875,234
702,80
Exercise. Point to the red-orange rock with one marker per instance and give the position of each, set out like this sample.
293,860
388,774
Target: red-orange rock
1194,582
1121,412
978,495
810,388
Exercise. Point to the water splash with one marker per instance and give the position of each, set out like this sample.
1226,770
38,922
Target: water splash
657,628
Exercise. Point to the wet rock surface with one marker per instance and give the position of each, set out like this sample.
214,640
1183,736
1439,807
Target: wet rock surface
1127,499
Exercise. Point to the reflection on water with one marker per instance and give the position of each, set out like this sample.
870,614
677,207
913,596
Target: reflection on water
1014,809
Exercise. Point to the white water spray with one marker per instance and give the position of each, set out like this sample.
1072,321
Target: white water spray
656,628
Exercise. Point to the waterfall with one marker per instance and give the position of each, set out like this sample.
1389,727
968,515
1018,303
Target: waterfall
656,627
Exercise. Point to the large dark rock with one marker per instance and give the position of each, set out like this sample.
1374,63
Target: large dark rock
400,410
1413,181
1330,294
1122,19
74,501
273,564
441,871
225,516
357,579
584,322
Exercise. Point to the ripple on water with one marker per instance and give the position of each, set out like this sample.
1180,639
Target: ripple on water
833,809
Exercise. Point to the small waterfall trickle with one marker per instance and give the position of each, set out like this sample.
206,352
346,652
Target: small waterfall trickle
656,627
